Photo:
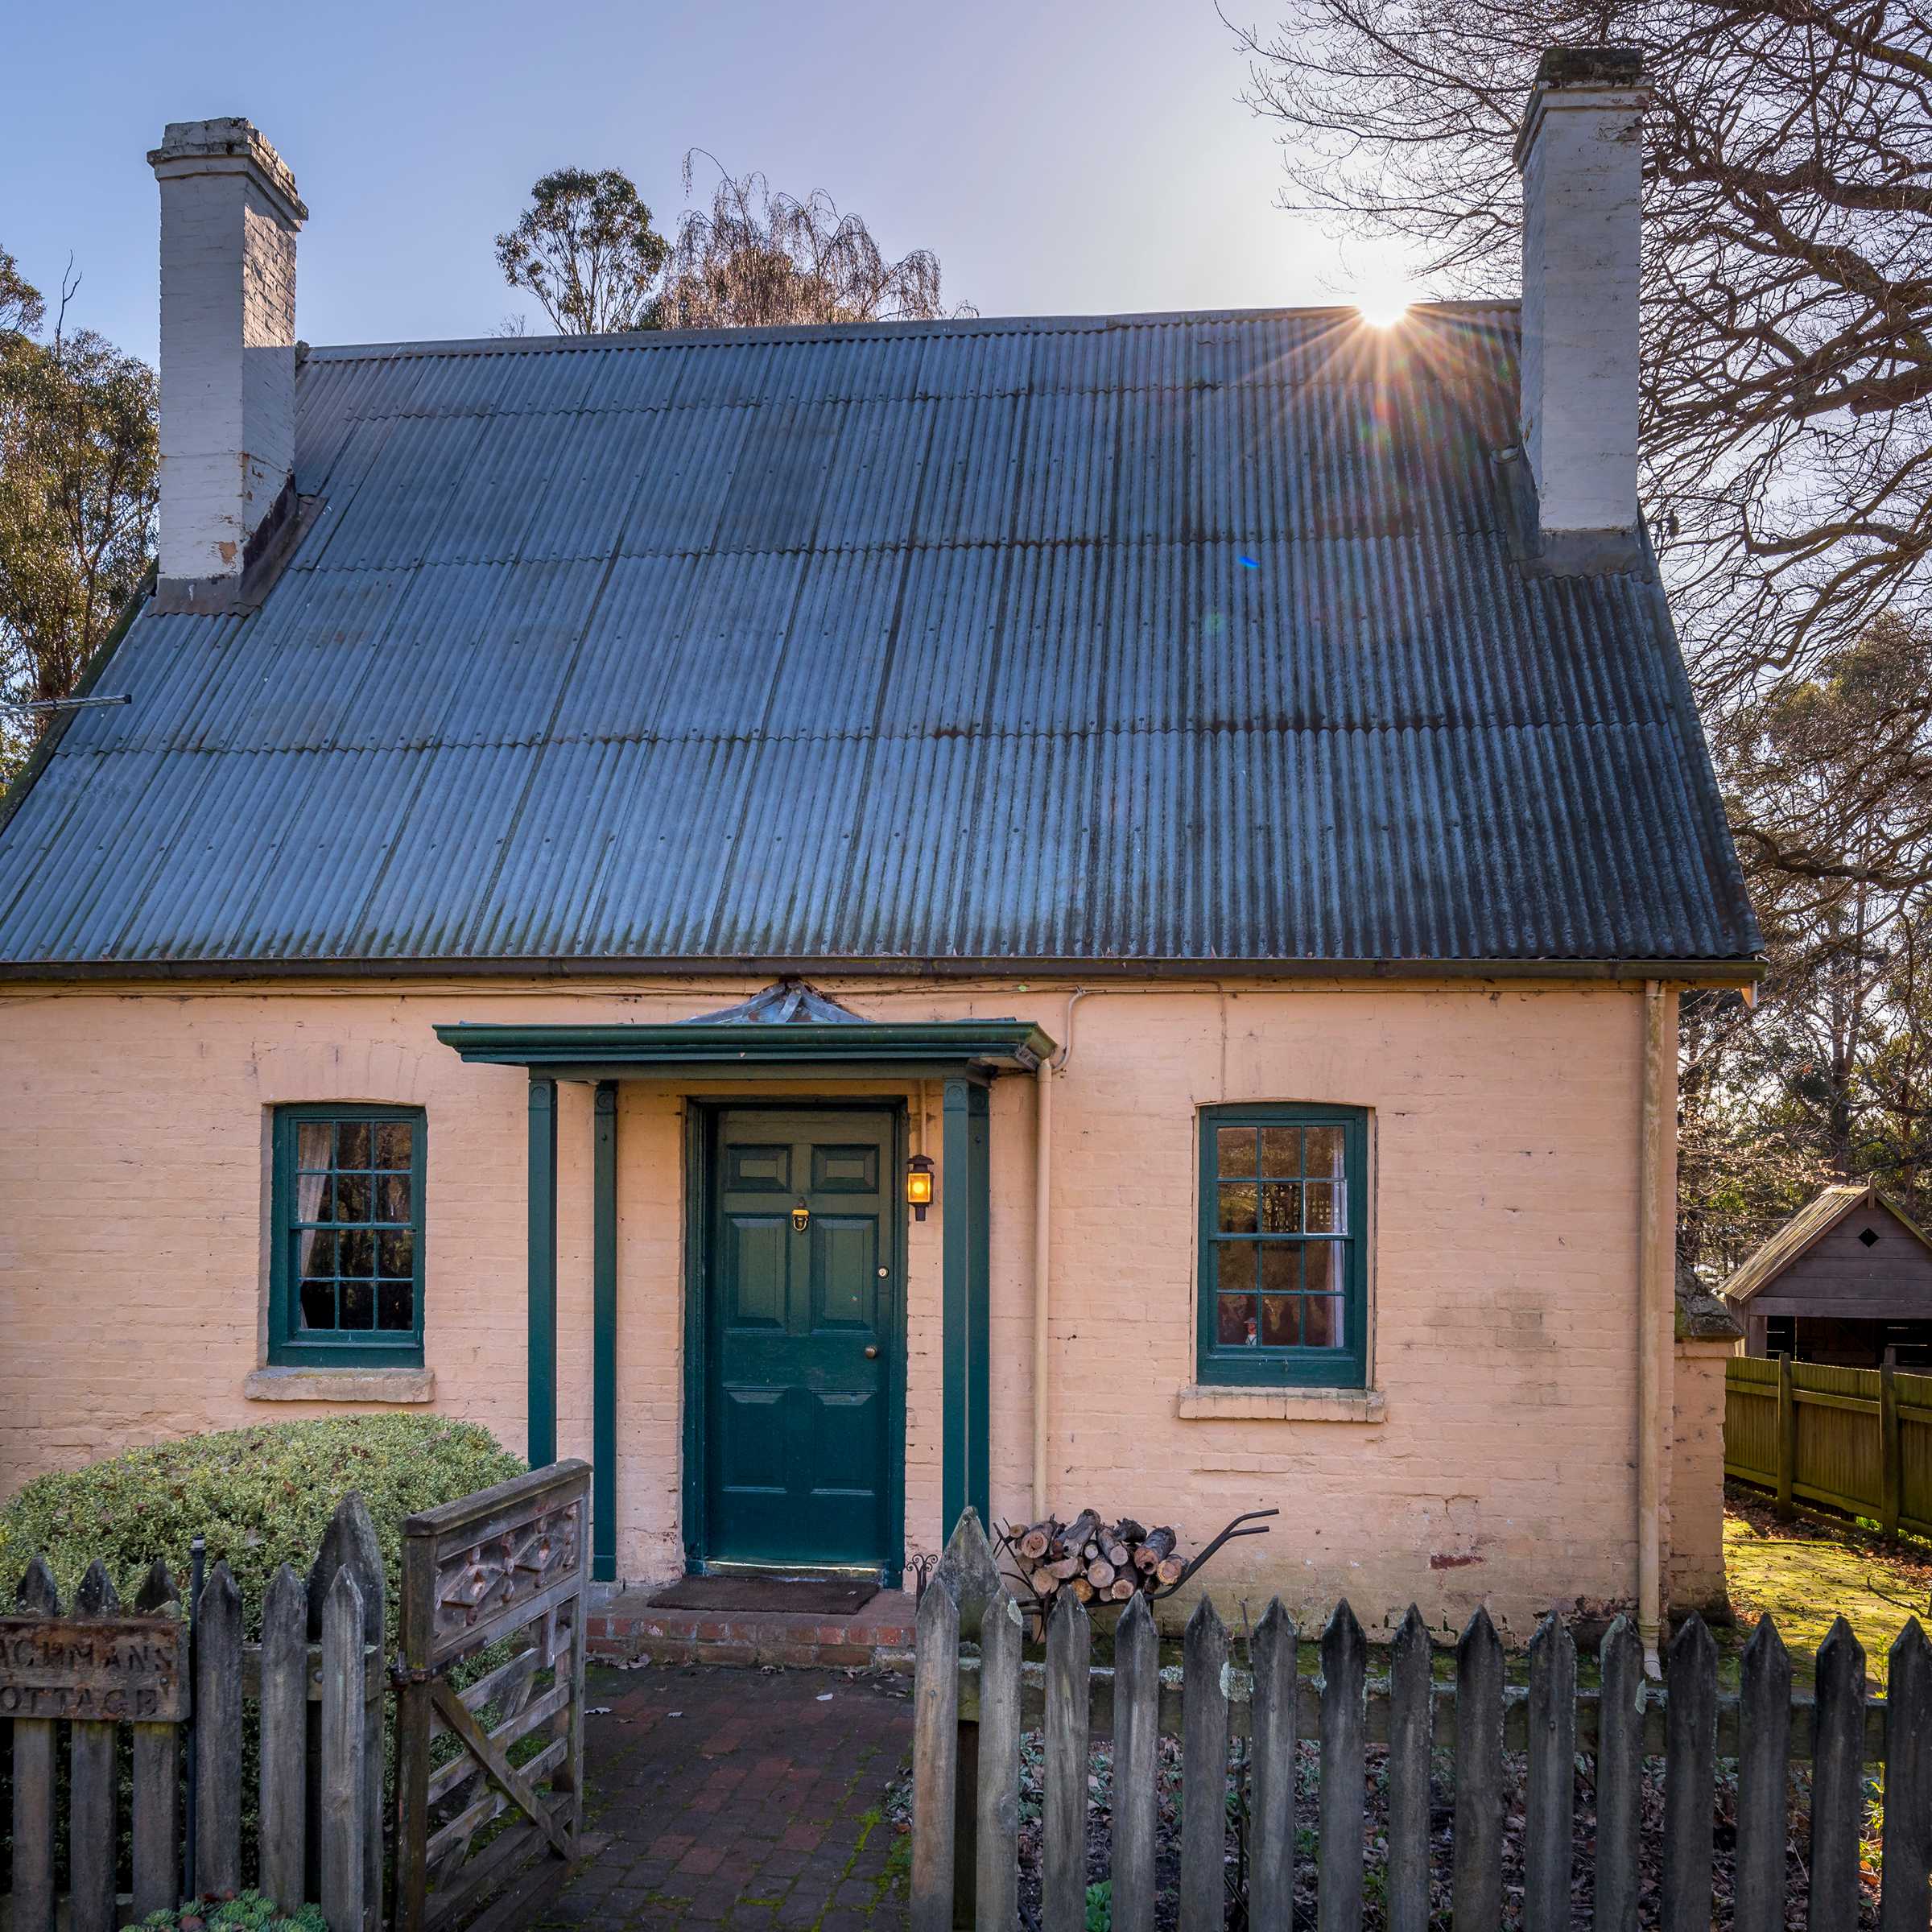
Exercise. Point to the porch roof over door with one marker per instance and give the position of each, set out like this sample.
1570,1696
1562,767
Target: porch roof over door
734,1049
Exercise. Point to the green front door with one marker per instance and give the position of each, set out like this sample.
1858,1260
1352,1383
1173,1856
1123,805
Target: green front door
802,1295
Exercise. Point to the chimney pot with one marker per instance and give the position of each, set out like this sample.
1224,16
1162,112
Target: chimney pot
1580,153
229,217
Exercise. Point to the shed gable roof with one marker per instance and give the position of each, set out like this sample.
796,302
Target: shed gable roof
1190,638
1831,1208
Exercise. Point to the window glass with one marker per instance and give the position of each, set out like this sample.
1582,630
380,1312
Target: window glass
1281,1268
348,1217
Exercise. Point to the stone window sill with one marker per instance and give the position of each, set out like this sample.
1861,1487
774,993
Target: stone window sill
340,1386
1215,1403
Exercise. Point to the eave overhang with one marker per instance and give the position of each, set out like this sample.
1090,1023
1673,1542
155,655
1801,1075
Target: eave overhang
1735,972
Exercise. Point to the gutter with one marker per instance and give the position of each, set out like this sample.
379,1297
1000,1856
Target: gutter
1738,972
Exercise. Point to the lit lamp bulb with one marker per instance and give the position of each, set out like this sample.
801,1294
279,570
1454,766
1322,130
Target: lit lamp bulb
918,1185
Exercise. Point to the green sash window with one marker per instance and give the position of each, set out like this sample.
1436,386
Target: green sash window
1284,1197
345,1277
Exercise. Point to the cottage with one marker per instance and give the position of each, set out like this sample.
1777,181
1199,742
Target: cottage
1847,1280
854,921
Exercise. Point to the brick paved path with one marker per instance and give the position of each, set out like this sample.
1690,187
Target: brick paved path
737,1798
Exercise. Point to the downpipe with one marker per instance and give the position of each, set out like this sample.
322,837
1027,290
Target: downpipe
1043,1277
1656,1255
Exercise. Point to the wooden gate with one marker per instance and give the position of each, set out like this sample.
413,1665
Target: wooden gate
489,1772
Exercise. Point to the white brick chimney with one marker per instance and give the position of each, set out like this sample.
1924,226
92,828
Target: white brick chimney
229,217
1581,156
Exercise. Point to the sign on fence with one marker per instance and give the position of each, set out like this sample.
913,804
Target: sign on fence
53,1666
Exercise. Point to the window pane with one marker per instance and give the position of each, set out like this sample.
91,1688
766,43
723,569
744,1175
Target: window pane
1325,1153
315,1198
1236,1326
352,1197
1234,1149
1323,1321
352,1145
355,1252
1282,1150
395,1254
1281,1208
312,1139
1280,1321
392,1197
1281,1268
316,1255
395,1305
1322,1206
358,1305
1235,1262
318,1304
1324,1265
1237,1207
392,1144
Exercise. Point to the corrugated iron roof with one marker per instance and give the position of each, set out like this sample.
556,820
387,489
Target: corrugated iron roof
1190,638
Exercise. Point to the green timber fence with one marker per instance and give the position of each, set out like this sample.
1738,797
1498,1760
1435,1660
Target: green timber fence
1855,1439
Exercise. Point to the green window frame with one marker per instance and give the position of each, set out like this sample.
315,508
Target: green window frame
1283,1272
345,1265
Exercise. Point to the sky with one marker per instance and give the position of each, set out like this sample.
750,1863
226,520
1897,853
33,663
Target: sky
1059,159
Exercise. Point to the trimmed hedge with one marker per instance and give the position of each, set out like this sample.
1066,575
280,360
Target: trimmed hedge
261,1498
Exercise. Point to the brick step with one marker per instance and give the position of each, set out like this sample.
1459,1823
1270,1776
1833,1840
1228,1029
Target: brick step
879,1632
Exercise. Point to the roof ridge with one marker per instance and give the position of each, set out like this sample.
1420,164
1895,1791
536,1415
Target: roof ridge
817,331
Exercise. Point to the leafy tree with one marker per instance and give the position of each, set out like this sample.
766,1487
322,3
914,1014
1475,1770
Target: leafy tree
585,248
1831,1076
759,259
1787,269
78,488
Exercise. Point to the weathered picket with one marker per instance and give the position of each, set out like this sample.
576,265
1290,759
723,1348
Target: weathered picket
317,1674
964,1853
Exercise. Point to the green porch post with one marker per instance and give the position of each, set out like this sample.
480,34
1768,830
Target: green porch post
604,1362
966,1204
542,1438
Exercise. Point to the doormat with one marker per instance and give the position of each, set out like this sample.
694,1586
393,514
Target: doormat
818,1595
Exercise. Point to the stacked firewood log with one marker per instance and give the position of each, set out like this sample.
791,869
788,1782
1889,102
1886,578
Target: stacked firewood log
1097,1562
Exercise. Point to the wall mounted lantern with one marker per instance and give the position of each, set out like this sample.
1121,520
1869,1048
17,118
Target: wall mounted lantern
918,1185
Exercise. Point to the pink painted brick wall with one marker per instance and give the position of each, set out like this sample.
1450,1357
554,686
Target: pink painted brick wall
132,1263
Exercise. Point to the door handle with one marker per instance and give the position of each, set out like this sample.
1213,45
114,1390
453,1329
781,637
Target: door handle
872,1352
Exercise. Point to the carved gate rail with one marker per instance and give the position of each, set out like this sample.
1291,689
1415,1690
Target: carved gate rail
506,1568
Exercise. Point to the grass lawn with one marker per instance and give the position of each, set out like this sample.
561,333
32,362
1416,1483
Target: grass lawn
1808,1570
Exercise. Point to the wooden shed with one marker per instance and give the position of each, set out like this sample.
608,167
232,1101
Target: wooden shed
1847,1280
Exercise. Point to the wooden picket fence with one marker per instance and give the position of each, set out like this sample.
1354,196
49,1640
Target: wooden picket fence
971,1712
1855,1439
317,1674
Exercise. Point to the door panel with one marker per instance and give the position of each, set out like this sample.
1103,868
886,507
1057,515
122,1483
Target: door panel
844,1275
754,1273
797,1454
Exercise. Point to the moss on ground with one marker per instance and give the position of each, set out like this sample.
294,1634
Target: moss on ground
1806,1572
